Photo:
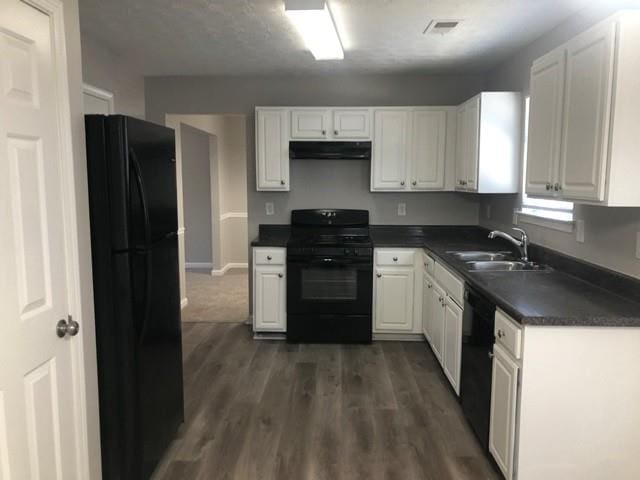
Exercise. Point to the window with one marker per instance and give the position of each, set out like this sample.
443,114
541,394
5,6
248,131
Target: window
553,210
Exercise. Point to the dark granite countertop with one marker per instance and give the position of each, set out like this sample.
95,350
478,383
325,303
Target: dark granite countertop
556,297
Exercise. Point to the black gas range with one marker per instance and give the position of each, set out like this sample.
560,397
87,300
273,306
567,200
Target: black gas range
329,277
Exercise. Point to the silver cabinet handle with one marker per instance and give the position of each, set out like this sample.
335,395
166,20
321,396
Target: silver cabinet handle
414,183
500,334
67,327
378,275
402,183
324,132
280,275
429,285
395,259
490,354
335,132
548,186
281,182
557,187
268,257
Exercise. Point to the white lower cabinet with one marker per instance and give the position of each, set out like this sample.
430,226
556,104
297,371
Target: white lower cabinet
394,298
437,321
427,309
269,290
504,395
452,342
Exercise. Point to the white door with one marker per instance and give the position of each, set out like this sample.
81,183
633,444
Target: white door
310,123
394,299
437,321
472,146
461,173
270,299
427,309
452,343
504,391
353,123
428,149
38,418
390,150
587,107
545,123
272,149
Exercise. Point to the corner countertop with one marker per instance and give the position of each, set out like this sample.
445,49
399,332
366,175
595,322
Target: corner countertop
536,298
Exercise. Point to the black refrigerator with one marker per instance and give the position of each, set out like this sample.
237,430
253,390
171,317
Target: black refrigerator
133,212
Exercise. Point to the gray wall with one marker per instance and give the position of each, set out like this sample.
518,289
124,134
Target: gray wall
610,233
314,184
196,184
109,70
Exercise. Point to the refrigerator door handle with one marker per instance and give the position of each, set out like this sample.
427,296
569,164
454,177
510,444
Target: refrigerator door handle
137,174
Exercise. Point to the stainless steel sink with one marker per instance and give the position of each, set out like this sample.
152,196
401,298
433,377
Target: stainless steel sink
481,256
503,266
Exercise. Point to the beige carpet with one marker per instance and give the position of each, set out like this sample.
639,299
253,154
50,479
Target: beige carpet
217,299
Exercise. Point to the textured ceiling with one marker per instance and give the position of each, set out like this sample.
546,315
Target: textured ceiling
236,37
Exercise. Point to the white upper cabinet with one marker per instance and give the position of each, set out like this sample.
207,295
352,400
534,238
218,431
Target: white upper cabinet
585,127
351,123
488,143
429,140
390,149
272,149
310,124
413,149
545,122
591,85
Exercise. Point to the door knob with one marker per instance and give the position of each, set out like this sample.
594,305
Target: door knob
414,183
281,182
67,327
395,259
500,334
268,257
402,183
378,275
324,132
280,275
490,354
335,132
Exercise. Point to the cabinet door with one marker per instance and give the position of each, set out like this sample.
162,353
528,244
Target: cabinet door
472,147
272,150
452,343
545,123
270,299
310,123
427,309
461,173
437,321
390,152
394,290
352,123
428,149
504,391
588,97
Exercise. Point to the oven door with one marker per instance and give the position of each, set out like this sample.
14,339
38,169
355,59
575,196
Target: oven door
330,285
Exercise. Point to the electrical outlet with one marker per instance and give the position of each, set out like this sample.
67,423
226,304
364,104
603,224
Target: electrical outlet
488,211
638,245
268,206
402,209
580,231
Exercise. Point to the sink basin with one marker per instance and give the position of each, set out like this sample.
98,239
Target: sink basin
503,266
481,256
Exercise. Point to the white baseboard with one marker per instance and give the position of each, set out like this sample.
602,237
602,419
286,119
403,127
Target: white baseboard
200,265
227,267
184,302
399,337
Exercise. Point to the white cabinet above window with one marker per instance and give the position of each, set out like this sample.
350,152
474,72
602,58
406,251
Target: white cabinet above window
583,133
334,124
488,143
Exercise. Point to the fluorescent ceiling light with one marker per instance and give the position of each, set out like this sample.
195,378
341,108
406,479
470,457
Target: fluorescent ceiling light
315,24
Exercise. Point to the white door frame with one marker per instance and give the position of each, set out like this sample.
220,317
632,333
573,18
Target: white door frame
101,94
55,10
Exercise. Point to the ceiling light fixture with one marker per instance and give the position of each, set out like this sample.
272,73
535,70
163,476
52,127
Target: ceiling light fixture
313,20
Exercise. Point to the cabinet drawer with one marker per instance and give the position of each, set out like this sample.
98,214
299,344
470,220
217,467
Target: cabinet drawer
395,257
270,256
508,334
450,283
429,263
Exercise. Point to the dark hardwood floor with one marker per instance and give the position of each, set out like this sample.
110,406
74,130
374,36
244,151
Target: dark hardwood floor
270,410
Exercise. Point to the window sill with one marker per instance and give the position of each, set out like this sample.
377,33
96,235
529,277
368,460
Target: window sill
552,220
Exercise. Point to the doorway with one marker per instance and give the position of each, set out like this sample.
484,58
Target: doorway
212,156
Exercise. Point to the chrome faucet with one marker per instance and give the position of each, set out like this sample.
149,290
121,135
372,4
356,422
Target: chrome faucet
522,244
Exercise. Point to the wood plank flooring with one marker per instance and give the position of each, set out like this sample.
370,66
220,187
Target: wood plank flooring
270,410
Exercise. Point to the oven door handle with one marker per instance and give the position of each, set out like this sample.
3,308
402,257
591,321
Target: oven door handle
333,262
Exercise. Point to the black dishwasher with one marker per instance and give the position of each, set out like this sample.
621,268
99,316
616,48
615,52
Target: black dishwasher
477,354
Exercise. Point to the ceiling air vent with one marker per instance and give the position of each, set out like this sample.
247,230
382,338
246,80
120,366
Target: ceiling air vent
440,27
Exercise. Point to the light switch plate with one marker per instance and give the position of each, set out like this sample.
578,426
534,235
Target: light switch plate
638,245
402,209
268,206
580,231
